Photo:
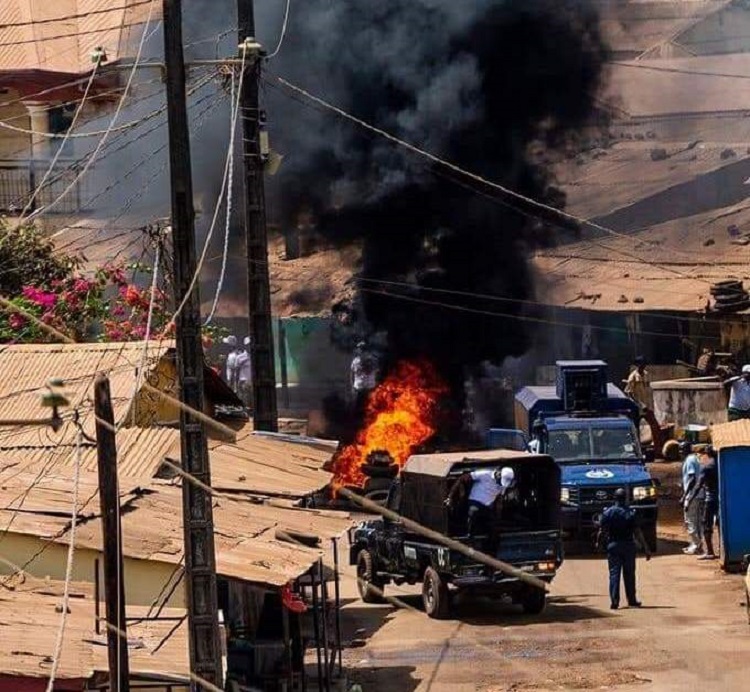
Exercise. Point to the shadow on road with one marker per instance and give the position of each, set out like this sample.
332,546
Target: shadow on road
396,678
485,611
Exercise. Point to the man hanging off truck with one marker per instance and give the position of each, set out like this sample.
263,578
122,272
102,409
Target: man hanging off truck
485,486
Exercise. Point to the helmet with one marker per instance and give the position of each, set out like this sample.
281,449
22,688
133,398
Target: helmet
505,476
621,495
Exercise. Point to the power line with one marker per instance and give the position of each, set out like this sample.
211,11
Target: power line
209,235
677,70
55,158
90,32
68,568
120,105
477,178
283,32
235,110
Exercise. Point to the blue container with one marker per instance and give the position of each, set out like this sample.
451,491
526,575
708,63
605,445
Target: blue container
734,505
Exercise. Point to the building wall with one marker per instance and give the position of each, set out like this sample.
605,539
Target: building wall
13,145
144,580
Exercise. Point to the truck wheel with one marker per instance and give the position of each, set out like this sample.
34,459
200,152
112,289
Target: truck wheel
533,601
435,596
370,588
649,533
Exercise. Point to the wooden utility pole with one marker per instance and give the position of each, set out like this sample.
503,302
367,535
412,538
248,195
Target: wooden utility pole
109,501
265,411
197,510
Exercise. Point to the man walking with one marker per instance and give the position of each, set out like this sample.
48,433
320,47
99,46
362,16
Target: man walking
739,395
692,503
708,482
620,526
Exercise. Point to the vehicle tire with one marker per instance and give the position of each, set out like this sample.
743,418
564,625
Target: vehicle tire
649,533
533,601
377,489
435,596
366,579
728,286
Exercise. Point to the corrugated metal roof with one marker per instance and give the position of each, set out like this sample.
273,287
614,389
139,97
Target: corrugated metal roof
29,622
734,434
245,535
26,368
670,266
260,465
31,39
704,84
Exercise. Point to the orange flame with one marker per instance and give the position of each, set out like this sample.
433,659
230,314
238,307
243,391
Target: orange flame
401,414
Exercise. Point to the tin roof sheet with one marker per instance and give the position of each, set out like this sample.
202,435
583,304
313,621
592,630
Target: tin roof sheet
261,465
29,622
26,368
247,546
734,434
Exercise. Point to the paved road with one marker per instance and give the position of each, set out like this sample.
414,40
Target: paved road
692,634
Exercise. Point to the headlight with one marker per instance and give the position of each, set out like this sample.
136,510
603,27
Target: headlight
565,495
644,492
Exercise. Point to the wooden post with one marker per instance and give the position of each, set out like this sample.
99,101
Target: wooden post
109,501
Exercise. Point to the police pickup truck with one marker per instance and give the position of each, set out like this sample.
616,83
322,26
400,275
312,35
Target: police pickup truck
524,534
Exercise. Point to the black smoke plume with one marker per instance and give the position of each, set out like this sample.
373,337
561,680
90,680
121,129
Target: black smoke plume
480,84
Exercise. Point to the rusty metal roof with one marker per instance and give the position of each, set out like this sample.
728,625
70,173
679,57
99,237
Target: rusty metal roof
26,368
60,36
734,434
260,465
670,266
247,546
29,621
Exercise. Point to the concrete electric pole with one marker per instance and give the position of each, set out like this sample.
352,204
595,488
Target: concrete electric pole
197,510
265,412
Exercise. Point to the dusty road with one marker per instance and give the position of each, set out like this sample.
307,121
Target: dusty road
692,634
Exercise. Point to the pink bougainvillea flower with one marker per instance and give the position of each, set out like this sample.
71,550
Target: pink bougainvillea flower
82,286
42,298
17,321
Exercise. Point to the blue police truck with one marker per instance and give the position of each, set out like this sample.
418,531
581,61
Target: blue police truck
590,428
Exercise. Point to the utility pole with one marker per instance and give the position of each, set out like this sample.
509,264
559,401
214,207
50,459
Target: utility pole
109,501
265,411
197,510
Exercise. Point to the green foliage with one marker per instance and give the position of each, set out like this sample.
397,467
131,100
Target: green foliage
27,255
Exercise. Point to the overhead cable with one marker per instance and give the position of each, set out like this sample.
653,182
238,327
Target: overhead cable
283,32
120,105
53,163
560,213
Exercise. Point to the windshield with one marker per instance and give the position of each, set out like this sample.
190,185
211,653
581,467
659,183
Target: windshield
593,444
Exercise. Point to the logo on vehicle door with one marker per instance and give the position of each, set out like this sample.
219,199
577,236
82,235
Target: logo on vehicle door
600,473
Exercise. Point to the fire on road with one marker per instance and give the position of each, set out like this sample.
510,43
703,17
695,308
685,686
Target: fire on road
691,634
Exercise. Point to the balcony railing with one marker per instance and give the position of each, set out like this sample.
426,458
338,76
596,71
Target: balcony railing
18,178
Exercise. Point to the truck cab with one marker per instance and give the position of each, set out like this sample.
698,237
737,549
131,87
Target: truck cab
590,428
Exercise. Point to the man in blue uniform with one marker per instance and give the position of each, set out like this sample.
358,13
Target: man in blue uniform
620,526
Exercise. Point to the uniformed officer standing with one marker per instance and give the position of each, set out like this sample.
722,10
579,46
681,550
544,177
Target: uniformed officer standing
620,526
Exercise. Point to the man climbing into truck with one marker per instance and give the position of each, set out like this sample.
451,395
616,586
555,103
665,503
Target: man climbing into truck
484,486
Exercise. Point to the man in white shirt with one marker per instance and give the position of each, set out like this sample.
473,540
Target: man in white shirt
485,486
364,376
239,371
739,395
